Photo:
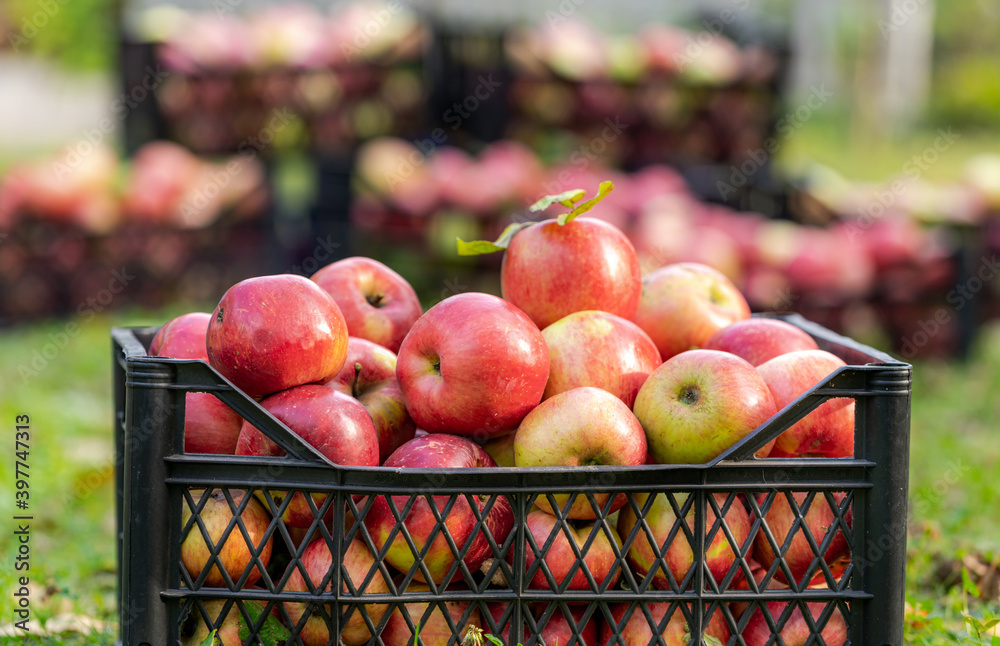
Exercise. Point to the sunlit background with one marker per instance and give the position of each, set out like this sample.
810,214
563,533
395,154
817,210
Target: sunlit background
841,160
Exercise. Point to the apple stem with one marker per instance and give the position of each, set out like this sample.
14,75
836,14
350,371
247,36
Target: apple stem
375,300
355,390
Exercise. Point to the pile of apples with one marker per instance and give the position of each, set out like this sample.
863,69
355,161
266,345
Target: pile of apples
582,362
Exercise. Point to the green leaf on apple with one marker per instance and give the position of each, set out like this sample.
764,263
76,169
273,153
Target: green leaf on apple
712,641
211,639
272,632
480,247
566,198
579,209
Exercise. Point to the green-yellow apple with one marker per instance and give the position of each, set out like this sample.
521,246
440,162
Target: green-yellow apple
377,303
684,304
594,348
434,628
760,339
584,426
235,553
676,631
699,403
472,365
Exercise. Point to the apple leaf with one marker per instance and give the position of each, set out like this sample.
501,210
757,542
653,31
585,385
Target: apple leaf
566,198
712,641
579,209
480,247
272,632
211,639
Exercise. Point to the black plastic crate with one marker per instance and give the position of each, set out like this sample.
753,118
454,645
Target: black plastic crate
864,499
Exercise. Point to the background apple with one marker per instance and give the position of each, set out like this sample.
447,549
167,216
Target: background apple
759,339
799,557
434,629
580,427
551,270
377,303
369,375
472,364
827,431
684,304
560,560
334,423
593,348
358,562
557,630
676,631
699,403
194,630
796,631
439,451
274,332
235,552
182,337
501,449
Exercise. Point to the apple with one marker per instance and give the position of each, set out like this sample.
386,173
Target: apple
317,560
472,364
434,627
760,339
720,555
796,631
369,375
550,270
675,631
827,431
593,348
501,449
557,629
684,304
780,518
600,558
699,403
584,426
337,425
182,337
194,630
271,333
235,553
209,425
377,303
439,451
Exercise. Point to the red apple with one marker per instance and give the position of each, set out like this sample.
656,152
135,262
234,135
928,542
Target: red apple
236,551
557,629
358,562
209,425
275,332
369,375
675,632
334,423
560,560
593,348
551,270
819,518
434,627
684,304
796,631
760,339
472,364
827,431
194,630
581,427
377,303
439,451
679,556
182,337
699,403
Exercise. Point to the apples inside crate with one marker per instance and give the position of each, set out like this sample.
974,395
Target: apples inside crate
520,578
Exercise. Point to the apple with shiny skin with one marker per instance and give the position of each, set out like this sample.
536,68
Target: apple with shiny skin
676,632
699,403
434,630
684,304
439,451
557,630
272,333
235,553
760,339
584,426
679,557
358,562
826,432
560,560
182,337
377,303
550,270
796,631
369,375
337,425
594,348
472,365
